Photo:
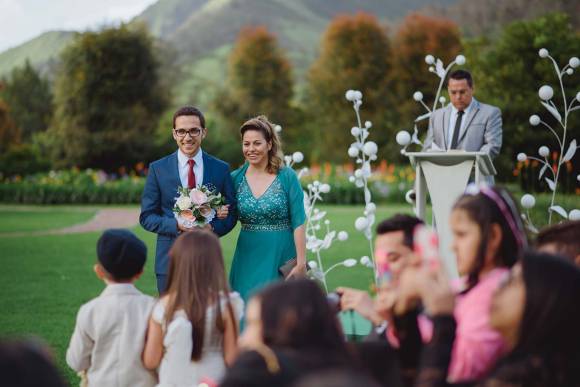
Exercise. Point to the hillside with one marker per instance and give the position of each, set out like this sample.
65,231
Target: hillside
199,29
42,51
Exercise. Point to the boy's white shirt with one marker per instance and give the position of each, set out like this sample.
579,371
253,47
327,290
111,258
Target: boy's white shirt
109,338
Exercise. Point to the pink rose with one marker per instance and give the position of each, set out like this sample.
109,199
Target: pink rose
187,214
197,197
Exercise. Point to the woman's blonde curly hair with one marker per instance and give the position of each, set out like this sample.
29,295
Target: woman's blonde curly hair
264,126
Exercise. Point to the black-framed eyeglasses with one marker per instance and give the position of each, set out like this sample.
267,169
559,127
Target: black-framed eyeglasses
193,132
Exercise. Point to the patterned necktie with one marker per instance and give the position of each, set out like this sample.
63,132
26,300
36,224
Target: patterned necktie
190,174
456,130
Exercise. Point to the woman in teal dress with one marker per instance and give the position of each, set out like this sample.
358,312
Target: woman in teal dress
270,209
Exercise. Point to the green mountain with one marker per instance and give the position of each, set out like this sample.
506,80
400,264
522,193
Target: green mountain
42,52
201,32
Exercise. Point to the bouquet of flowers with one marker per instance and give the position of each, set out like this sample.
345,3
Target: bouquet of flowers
196,207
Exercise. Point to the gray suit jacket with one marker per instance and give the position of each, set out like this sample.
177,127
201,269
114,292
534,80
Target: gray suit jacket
482,131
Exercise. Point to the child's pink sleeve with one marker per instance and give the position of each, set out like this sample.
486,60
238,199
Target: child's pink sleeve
477,346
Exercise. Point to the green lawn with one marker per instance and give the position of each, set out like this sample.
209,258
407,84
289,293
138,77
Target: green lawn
45,279
35,218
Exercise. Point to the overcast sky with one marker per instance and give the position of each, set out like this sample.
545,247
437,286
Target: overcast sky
21,20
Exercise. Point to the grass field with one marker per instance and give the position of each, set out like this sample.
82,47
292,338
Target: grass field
45,279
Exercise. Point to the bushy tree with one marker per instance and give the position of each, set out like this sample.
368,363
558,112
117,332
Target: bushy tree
30,100
259,82
418,36
108,100
354,54
508,73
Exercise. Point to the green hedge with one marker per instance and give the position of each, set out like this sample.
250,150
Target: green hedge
32,193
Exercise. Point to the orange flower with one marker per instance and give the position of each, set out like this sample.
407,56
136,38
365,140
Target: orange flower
187,214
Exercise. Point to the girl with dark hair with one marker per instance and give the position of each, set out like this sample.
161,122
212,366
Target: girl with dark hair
291,331
271,211
536,312
193,329
488,239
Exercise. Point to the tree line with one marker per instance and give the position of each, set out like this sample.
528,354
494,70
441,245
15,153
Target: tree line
110,104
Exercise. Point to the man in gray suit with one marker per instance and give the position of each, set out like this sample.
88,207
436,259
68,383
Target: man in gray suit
465,123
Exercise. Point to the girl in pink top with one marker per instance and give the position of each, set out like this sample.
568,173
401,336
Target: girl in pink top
488,239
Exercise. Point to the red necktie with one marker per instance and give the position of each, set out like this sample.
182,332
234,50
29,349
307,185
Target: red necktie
190,174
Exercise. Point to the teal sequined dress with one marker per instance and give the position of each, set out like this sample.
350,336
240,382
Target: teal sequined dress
266,240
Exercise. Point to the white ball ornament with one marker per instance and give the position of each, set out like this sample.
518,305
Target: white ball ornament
544,151
361,223
371,208
574,62
359,183
365,260
418,96
403,138
327,222
534,120
352,152
546,92
442,100
522,157
325,188
528,201
574,215
543,53
373,157
368,124
429,59
578,96
358,173
316,183
342,236
278,128
460,60
312,264
349,262
352,179
357,95
350,95
297,157
370,148
355,131
569,71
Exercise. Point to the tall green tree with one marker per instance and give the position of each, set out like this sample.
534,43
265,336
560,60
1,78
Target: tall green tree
354,55
416,37
508,73
30,100
259,82
108,100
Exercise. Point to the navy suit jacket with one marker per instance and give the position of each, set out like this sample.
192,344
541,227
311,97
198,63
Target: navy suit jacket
159,197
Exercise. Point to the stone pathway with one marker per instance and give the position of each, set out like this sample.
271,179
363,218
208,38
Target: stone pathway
103,219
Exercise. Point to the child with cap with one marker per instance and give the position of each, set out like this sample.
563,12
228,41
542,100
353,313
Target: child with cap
109,335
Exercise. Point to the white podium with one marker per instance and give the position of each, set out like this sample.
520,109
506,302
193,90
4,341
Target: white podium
444,175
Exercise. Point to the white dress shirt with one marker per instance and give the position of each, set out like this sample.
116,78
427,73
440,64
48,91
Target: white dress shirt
453,119
182,161
109,337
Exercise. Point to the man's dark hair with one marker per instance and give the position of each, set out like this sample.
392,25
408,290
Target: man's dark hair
400,222
564,236
461,74
189,111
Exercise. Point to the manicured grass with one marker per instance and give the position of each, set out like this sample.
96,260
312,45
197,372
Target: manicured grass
47,278
35,218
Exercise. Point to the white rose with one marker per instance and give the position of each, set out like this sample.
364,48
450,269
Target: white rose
183,203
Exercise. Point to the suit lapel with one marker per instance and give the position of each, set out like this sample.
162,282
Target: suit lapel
468,120
174,168
207,173
446,116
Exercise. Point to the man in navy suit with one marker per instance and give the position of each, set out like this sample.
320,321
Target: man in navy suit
189,167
